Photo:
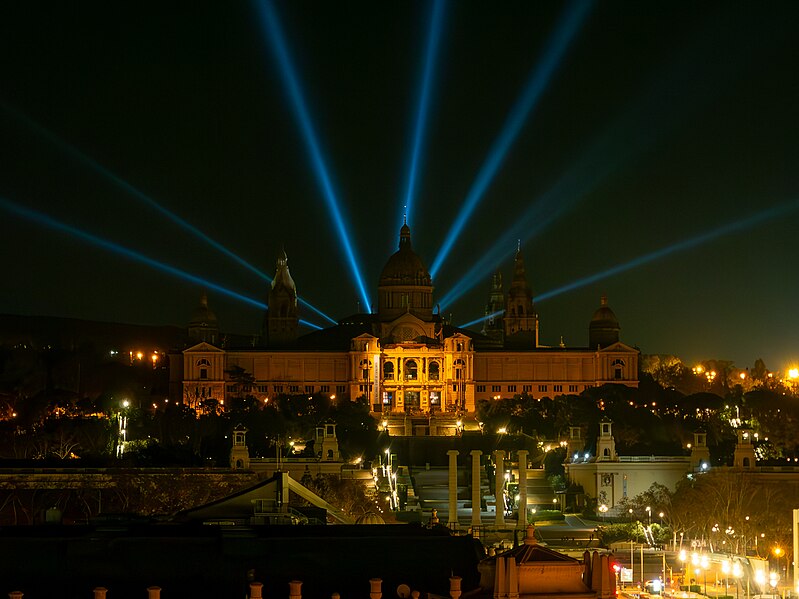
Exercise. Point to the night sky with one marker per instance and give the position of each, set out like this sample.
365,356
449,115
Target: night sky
662,123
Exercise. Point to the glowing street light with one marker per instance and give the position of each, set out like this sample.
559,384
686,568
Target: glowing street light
604,509
737,572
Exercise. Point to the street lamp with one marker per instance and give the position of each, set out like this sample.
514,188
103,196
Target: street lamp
649,514
778,552
683,557
737,572
705,563
603,508
725,568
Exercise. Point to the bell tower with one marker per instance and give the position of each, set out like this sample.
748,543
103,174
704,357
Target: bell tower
282,319
520,314
494,323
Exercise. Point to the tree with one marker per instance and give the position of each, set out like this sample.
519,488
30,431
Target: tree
241,380
666,370
729,507
346,494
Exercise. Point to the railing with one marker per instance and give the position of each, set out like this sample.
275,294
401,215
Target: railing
654,458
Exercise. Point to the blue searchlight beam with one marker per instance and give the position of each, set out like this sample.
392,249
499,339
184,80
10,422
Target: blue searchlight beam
433,38
727,229
274,34
47,221
629,136
81,157
481,319
565,31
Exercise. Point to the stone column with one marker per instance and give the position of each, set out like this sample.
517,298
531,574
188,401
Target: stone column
522,518
476,453
499,483
452,519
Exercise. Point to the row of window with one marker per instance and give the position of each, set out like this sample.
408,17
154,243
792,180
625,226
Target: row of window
310,389
529,388
411,370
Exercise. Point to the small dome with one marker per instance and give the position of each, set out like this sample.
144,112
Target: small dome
203,316
405,267
604,317
604,327
370,518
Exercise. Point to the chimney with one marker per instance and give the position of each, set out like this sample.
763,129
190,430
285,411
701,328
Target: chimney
375,588
295,589
455,587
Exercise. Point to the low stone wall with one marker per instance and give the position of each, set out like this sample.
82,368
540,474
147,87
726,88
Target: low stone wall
79,495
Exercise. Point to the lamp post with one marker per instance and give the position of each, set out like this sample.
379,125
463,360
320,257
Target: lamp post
737,572
683,557
705,563
649,515
778,552
704,574
603,509
725,568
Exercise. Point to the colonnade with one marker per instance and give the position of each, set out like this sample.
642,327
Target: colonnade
499,483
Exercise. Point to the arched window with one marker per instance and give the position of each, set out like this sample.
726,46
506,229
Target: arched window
388,371
435,370
411,370
618,369
204,364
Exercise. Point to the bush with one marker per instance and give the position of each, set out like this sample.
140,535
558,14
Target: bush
544,515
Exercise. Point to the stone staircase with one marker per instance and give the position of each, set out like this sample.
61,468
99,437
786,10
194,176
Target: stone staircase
432,492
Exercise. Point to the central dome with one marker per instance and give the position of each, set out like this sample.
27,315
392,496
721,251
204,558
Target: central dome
405,267
405,285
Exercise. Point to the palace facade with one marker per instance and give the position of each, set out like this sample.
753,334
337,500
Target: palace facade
405,358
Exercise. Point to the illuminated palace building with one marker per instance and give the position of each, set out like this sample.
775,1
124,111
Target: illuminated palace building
417,371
